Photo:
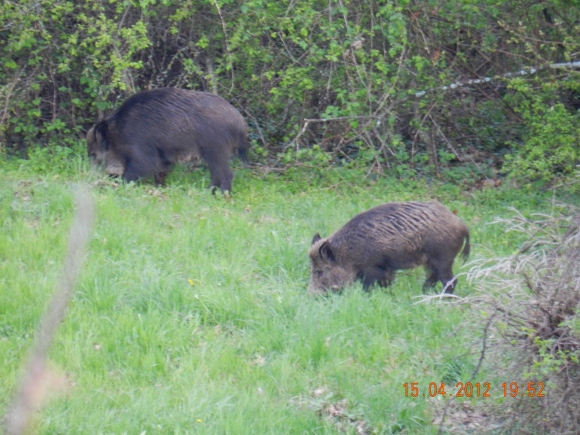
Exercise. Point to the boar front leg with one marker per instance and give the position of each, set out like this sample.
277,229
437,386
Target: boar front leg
376,275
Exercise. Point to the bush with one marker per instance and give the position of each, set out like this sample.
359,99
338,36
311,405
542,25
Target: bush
551,143
530,303
408,87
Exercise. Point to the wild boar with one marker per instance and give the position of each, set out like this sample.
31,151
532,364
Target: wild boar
394,236
155,129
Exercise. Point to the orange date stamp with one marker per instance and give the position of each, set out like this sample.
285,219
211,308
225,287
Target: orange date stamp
475,389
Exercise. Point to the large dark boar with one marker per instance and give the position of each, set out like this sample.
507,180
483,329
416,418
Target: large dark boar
153,130
390,237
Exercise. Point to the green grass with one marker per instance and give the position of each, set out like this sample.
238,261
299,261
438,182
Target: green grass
191,314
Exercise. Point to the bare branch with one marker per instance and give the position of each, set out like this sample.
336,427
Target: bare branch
29,395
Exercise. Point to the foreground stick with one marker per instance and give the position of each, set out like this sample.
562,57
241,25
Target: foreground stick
30,393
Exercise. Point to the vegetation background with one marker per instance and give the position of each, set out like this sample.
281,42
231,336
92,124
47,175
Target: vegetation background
460,89
191,314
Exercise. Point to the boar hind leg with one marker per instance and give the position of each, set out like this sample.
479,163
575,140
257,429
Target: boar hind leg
449,284
443,273
221,176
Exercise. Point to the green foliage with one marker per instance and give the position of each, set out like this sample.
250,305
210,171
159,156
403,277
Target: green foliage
60,62
549,362
312,155
551,147
379,72
57,159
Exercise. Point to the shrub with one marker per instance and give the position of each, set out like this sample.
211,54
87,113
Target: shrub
530,303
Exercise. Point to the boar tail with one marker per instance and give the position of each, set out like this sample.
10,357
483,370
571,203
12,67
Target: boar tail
243,150
466,246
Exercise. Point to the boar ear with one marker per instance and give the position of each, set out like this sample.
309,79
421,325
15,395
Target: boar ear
326,252
315,239
102,129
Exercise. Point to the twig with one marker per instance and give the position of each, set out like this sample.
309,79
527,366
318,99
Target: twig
9,94
522,72
28,396
308,121
341,118
475,371
446,140
225,39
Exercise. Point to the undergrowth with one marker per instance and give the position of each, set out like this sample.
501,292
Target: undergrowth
526,309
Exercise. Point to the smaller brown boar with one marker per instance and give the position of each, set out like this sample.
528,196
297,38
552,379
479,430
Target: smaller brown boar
374,244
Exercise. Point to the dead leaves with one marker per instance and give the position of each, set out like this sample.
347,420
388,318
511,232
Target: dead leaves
338,412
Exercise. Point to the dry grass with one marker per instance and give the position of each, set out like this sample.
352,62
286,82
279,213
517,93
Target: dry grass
531,329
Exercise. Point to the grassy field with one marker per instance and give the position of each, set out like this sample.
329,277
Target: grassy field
191,314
